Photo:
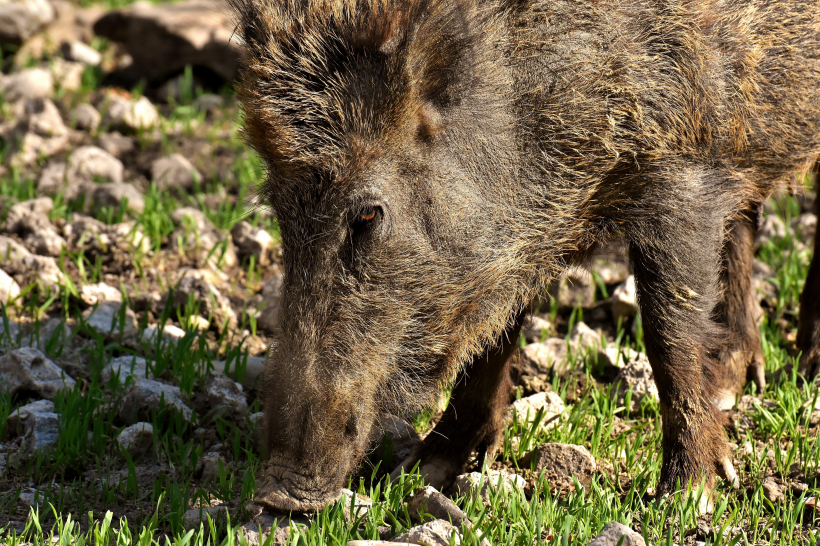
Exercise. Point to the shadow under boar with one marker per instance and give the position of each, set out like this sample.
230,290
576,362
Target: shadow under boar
433,164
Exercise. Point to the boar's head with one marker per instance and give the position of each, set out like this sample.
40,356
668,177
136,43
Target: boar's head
390,157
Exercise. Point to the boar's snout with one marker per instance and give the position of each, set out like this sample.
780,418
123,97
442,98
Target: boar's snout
317,430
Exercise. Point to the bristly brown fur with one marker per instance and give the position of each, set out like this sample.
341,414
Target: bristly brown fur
500,141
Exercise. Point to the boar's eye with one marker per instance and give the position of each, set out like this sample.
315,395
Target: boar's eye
366,217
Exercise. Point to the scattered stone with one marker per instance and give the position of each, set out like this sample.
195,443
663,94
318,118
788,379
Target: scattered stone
93,294
428,500
210,466
615,534
44,242
67,75
219,392
20,19
81,52
196,516
89,164
86,118
170,333
251,241
197,232
583,337
476,483
163,39
560,462
208,102
112,194
29,84
29,220
105,319
402,436
611,271
637,373
432,533
550,354
574,289
52,179
9,289
537,329
772,228
615,357
11,250
805,226
194,283
361,504
124,367
143,398
175,172
45,271
257,531
27,370
269,314
116,143
41,133
129,115
625,301
527,408
137,440
772,490
37,424
254,366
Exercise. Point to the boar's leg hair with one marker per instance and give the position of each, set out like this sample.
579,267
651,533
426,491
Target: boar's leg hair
676,259
474,418
808,334
742,356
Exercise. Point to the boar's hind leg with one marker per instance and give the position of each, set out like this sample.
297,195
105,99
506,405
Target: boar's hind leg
742,356
474,418
676,256
808,333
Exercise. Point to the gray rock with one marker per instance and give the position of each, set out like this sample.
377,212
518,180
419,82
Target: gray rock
805,226
105,319
115,143
137,440
219,390
37,424
636,373
403,437
560,462
428,500
356,505
11,250
81,52
67,75
196,516
41,133
209,102
772,228
197,233
175,172
170,333
45,242
18,215
254,366
617,533
257,531
20,19
537,329
165,38
86,118
527,408
432,533
28,370
583,337
251,241
124,367
112,194
52,179
269,314
544,356
93,294
611,271
474,483
45,270
624,301
574,289
9,289
144,397
773,490
29,84
194,283
129,115
29,220
210,466
89,164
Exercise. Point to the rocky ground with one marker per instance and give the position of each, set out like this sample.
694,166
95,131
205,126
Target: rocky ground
139,280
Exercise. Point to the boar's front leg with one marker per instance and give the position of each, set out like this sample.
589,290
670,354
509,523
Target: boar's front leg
808,333
675,240
474,418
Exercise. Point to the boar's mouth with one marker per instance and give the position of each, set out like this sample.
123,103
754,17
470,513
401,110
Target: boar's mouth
289,490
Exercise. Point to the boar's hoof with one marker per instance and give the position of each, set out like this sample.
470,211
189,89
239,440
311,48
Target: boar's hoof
286,490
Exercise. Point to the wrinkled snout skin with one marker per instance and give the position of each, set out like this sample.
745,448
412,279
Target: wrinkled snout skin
433,164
